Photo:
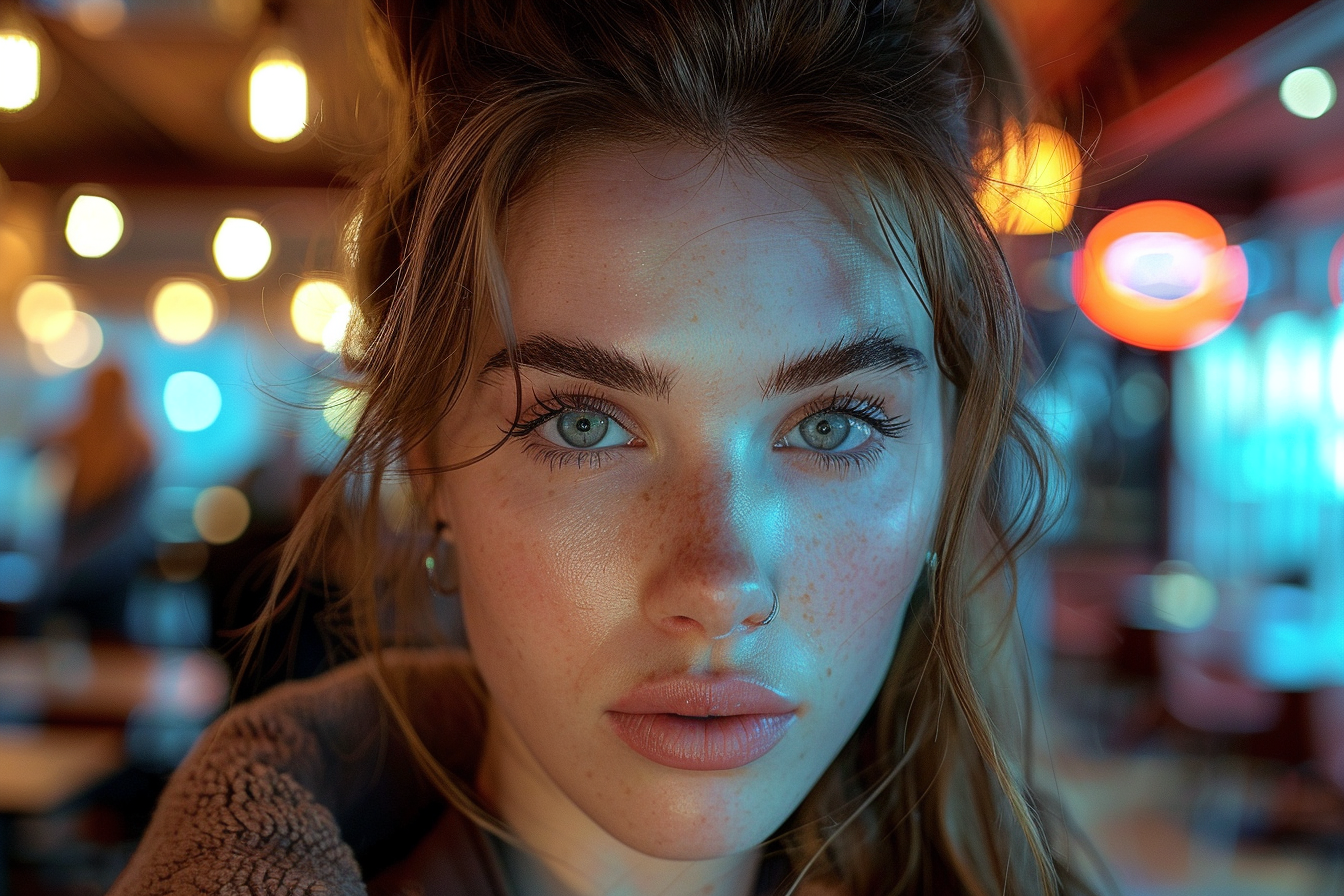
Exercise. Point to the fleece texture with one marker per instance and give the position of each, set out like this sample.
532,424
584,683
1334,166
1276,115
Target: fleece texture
310,788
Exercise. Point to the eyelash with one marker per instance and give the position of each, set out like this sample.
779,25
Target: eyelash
866,409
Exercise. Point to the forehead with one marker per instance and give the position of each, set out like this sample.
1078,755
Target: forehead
649,248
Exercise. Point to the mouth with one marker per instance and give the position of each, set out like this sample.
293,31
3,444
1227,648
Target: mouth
700,723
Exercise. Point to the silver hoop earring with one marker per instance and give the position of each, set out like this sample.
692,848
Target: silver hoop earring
774,608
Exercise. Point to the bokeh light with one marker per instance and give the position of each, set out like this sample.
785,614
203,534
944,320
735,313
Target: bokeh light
1182,599
221,514
242,248
95,18
20,71
78,346
46,311
317,311
277,97
183,311
1032,186
343,409
1308,92
1160,275
191,400
94,226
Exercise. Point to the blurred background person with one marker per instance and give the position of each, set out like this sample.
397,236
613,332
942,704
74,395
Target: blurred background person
104,541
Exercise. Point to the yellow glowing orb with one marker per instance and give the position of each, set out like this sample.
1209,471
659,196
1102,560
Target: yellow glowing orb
183,311
79,345
20,70
94,226
242,248
221,514
317,310
343,409
277,97
1031,185
46,311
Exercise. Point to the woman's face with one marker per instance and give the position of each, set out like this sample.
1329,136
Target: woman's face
728,393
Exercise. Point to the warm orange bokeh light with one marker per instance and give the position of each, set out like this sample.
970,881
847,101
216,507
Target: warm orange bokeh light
1217,280
1033,185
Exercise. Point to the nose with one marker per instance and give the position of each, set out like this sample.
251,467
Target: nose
708,576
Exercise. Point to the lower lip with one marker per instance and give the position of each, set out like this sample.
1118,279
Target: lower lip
700,744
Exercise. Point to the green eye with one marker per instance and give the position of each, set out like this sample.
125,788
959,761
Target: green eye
826,431
582,429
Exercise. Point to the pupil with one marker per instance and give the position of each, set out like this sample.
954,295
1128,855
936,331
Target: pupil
824,427
583,424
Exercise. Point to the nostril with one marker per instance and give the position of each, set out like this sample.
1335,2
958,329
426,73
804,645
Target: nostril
681,623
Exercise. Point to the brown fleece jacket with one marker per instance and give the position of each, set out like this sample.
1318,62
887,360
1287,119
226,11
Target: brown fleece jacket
293,792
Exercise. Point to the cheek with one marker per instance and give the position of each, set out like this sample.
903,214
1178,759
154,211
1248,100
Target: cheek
855,558
541,566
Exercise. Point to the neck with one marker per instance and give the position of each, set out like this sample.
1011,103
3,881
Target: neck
565,853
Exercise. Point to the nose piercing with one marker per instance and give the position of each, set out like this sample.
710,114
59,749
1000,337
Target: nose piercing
774,608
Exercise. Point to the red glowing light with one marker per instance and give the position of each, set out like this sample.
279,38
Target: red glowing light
1188,255
1333,272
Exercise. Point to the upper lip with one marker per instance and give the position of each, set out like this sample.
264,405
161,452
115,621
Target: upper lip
703,696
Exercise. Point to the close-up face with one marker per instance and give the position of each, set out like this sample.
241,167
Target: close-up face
729,397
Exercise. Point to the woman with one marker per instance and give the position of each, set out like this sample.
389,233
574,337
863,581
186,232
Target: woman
703,367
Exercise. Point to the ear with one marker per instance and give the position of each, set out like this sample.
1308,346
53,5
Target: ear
419,460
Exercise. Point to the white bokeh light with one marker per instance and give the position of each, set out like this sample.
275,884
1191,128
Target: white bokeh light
20,71
191,400
242,247
277,97
94,226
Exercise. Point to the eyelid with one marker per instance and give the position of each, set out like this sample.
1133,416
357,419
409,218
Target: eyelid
853,403
555,403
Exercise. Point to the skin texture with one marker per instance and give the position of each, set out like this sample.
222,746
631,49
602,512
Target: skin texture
584,574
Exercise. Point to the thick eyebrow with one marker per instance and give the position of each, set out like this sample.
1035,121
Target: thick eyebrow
587,360
876,351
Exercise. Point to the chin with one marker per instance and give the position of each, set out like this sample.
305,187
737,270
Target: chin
687,823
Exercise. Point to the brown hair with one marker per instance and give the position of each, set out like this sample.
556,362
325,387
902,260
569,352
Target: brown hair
932,794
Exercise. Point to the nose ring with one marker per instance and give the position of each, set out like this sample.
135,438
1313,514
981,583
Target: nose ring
774,608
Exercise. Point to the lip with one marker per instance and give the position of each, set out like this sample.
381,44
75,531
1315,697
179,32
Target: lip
702,723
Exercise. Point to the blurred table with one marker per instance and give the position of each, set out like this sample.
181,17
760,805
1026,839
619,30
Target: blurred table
73,681
43,767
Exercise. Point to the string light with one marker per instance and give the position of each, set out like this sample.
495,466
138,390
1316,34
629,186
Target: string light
46,311
94,226
277,97
320,311
183,311
20,70
242,247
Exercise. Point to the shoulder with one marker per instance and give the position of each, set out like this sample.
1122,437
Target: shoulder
279,794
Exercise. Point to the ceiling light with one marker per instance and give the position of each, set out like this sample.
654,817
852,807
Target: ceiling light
242,247
94,226
20,70
277,97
